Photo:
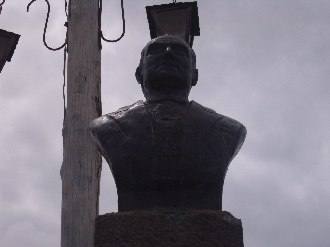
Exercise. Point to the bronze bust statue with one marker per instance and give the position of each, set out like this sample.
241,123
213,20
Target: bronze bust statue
168,153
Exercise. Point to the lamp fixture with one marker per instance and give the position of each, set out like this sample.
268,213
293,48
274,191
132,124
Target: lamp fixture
178,19
8,43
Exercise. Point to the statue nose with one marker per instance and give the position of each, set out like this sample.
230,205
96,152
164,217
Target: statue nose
168,51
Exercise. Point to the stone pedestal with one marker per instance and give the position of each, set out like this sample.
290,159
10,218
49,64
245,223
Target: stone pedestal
169,229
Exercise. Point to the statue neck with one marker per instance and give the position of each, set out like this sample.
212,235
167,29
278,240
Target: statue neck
179,96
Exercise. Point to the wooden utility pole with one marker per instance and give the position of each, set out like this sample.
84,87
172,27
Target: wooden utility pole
81,166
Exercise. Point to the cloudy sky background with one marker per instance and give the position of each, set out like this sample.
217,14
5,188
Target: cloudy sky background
265,63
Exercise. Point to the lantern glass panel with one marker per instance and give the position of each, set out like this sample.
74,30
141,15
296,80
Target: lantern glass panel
5,42
173,22
8,42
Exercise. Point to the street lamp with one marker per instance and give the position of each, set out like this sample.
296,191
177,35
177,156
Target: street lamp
8,42
178,19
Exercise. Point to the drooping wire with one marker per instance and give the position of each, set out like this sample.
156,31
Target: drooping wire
66,8
2,3
65,46
123,20
45,28
64,83
64,62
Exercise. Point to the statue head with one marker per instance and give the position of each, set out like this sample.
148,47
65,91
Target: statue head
167,69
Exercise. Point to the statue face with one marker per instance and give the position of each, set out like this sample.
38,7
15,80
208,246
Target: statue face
168,67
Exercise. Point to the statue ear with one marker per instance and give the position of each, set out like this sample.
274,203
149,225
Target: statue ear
194,77
138,75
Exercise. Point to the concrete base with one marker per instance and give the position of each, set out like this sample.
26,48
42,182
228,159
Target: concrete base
169,229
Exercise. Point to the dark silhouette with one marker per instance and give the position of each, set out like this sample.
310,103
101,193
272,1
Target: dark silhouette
168,153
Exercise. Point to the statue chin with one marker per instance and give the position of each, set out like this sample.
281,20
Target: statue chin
167,83
168,88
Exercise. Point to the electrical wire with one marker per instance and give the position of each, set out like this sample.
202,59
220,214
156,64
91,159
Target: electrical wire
65,46
64,83
45,28
66,8
123,20
2,3
65,63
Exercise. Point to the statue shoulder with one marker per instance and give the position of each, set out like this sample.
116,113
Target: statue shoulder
236,130
126,110
202,109
230,125
233,129
225,123
109,119
110,124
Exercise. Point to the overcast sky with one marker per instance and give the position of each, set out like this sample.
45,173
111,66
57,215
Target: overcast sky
265,63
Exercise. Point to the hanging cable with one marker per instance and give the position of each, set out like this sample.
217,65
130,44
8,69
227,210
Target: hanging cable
123,20
65,63
45,28
64,83
65,46
66,8
2,3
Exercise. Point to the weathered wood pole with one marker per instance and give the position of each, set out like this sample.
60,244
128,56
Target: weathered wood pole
81,166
